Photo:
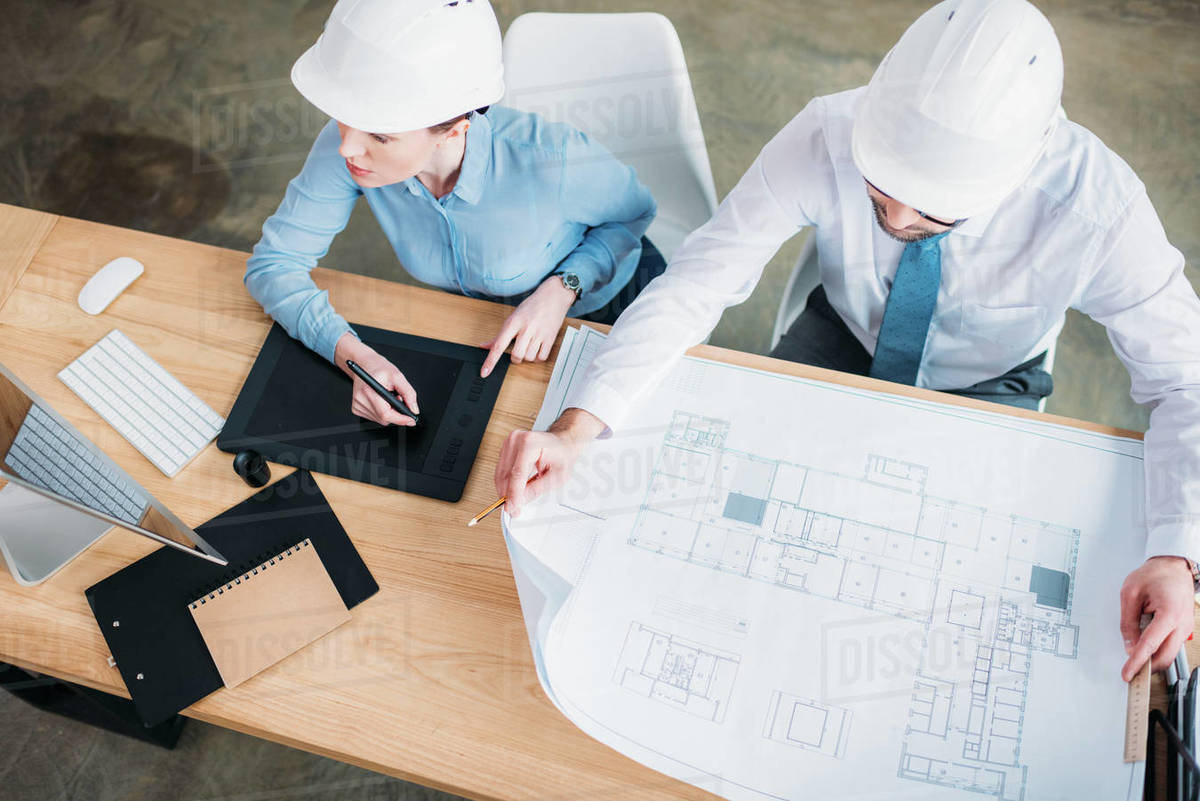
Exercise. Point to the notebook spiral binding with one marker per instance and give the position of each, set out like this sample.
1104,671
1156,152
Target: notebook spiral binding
248,574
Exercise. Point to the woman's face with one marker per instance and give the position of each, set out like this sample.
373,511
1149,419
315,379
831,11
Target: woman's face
381,159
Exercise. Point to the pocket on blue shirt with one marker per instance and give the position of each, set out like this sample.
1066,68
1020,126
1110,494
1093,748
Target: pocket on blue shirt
500,284
509,276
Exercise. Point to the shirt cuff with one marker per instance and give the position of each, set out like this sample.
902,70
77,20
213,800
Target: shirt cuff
329,334
1180,537
601,400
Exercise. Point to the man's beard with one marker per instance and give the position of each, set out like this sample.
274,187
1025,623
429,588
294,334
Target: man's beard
906,236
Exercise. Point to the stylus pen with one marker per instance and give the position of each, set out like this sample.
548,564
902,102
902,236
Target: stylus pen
396,403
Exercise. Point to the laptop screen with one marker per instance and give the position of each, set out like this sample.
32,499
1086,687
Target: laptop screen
42,453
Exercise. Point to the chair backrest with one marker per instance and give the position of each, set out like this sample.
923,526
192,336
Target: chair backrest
621,79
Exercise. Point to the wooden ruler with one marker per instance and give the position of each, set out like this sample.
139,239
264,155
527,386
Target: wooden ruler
1137,715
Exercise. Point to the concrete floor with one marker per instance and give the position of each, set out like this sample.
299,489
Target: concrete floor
178,118
44,757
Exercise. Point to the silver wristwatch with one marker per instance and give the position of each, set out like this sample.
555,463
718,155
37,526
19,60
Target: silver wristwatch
571,281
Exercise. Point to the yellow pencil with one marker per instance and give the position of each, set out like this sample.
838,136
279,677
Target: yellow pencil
487,511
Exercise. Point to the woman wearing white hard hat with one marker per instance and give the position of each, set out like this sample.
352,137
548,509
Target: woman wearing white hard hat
495,204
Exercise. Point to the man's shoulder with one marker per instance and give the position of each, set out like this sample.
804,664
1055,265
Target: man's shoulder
825,123
841,106
802,161
835,112
1084,177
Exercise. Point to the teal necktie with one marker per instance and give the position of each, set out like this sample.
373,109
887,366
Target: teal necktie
908,312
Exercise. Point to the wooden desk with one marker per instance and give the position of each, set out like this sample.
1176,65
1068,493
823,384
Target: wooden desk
22,232
432,680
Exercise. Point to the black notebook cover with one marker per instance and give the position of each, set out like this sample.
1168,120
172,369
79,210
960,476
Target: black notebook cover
142,609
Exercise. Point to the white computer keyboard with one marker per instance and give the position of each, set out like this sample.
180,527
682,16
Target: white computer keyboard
50,456
158,415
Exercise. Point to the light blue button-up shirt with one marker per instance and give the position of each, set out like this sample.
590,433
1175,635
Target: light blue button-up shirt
532,198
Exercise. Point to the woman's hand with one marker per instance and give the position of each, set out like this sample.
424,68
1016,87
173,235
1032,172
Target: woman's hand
533,325
365,402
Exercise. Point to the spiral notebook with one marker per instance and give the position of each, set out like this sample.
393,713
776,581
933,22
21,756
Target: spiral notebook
268,613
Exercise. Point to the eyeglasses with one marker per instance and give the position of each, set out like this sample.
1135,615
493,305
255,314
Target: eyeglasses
921,214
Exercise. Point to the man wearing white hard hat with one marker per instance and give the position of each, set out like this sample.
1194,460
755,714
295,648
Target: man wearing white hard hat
957,216
495,204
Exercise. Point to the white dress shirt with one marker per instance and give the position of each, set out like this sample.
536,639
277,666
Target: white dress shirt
1079,233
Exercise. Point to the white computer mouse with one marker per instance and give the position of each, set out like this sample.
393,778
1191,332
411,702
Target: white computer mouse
109,281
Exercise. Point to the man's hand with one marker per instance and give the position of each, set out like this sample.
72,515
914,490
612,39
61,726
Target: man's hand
534,462
364,401
533,325
1162,587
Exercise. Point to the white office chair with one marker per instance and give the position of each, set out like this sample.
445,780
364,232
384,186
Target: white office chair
622,79
804,279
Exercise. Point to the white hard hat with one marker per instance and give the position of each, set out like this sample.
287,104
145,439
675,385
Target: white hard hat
388,66
962,107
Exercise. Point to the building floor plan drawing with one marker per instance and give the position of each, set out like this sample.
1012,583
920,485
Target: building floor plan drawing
677,671
1000,585
807,723
877,598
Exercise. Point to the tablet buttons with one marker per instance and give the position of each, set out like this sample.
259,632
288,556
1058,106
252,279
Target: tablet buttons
451,454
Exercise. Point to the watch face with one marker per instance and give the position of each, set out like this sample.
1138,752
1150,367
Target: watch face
571,281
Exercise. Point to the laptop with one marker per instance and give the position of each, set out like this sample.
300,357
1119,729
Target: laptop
59,493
